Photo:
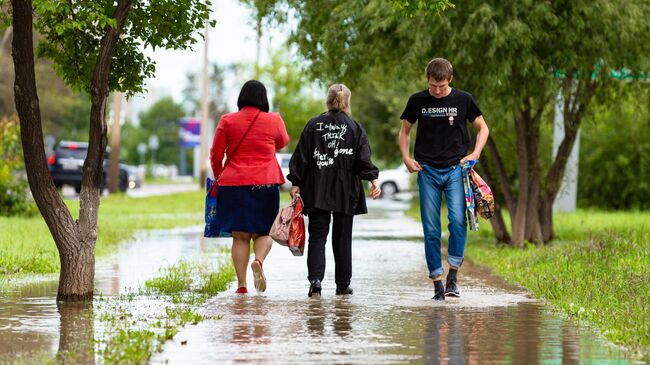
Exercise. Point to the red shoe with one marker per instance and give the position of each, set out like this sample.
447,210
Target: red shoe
258,275
241,290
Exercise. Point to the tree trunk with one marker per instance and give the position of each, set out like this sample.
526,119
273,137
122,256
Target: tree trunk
533,231
75,241
519,219
546,220
64,230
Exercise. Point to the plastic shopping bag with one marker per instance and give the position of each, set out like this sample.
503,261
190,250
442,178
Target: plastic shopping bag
297,229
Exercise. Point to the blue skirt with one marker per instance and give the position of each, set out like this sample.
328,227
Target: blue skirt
250,209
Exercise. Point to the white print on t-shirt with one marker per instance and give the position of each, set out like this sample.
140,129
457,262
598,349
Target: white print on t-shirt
439,112
332,135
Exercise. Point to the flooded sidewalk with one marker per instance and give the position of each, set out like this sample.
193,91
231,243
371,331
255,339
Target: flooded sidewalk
390,319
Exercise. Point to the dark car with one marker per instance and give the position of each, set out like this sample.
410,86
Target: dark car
66,166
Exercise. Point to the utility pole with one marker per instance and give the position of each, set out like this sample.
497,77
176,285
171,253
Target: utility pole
114,162
203,155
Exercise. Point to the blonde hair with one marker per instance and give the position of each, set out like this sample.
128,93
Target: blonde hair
338,97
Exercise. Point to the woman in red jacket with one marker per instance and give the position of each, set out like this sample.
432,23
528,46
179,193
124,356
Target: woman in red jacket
248,197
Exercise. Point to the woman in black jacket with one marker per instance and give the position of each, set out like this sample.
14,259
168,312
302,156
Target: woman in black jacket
326,169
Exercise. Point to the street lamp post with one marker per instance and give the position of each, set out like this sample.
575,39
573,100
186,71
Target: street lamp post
142,149
154,143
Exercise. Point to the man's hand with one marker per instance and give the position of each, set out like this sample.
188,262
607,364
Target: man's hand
412,165
471,156
294,190
375,190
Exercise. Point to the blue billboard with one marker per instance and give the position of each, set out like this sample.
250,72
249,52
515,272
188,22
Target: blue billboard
190,132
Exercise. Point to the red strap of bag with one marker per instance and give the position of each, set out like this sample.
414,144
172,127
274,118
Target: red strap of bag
213,191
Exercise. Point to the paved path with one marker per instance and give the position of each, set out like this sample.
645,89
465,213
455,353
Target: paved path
390,318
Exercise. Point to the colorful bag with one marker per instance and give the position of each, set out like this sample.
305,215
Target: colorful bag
211,209
482,196
282,224
297,229
478,195
469,194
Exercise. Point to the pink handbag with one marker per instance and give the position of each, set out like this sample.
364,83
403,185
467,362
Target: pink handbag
280,228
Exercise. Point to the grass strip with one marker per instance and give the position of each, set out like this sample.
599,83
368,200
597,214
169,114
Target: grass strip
596,271
26,246
138,325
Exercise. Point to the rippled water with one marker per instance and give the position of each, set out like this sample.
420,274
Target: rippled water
389,320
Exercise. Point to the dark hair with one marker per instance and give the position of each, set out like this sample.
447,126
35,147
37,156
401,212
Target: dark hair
439,69
253,93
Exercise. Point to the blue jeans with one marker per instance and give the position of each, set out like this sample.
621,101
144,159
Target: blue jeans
432,183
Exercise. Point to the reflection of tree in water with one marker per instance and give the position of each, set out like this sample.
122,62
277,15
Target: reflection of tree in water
76,333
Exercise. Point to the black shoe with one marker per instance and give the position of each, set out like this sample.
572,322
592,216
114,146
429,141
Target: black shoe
440,291
451,290
344,291
439,296
314,288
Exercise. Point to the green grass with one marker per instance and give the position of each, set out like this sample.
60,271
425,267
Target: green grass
597,270
132,338
26,245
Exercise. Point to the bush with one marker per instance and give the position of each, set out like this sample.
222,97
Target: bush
14,199
615,158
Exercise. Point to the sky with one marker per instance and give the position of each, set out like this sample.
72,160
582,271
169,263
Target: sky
232,40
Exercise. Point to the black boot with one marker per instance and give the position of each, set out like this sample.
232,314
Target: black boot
344,290
451,289
440,290
314,288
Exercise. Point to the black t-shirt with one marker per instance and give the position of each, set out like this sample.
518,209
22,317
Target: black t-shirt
442,138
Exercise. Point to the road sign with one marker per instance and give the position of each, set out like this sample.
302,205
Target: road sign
190,132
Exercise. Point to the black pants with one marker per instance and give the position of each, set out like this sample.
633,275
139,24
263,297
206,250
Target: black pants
319,226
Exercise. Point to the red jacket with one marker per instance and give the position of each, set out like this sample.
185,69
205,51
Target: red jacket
254,163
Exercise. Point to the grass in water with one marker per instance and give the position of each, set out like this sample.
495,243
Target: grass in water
597,270
133,335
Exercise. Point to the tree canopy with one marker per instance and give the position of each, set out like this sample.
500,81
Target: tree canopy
515,57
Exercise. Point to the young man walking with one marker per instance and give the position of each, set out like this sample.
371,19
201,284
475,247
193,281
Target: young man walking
441,144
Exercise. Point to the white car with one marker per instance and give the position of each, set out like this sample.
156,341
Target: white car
283,161
394,180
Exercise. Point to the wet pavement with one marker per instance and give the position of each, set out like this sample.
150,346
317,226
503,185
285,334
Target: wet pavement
144,191
390,319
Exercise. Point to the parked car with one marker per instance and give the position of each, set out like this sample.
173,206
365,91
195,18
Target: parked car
66,166
283,161
394,181
136,175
